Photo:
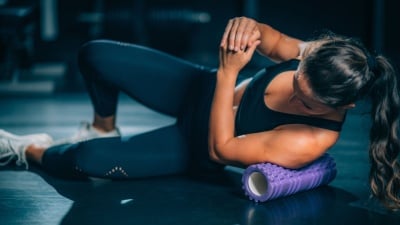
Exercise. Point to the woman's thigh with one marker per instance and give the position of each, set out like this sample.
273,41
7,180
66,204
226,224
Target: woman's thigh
154,78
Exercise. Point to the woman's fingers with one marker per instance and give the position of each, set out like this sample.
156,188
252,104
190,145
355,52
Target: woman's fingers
254,35
225,36
239,41
251,48
245,31
233,36
236,60
239,33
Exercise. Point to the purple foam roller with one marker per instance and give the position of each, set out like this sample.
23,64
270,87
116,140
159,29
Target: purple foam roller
266,181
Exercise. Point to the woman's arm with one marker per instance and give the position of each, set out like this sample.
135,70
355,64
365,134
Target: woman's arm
221,127
242,32
290,146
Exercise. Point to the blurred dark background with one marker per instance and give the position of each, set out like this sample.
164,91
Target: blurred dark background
39,39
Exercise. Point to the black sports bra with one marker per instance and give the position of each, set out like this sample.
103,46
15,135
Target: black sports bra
253,115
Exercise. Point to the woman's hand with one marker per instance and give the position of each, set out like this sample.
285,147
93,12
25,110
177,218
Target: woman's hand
231,62
240,34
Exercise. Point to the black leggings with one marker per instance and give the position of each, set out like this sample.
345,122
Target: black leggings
157,80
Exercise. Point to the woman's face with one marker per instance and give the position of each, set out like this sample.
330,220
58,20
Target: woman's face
305,100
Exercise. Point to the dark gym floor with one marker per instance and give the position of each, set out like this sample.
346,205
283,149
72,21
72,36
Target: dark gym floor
33,197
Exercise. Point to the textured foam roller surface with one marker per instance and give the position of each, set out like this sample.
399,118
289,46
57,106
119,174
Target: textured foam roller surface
266,181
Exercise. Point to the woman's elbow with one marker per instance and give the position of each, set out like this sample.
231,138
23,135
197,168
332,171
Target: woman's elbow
215,154
214,158
212,153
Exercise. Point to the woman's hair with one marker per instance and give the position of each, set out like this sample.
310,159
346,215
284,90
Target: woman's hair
341,71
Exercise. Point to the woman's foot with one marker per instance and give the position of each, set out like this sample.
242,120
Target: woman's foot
40,138
13,147
88,132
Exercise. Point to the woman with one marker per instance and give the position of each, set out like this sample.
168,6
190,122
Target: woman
288,114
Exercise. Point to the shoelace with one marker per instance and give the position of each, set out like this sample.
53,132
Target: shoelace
10,156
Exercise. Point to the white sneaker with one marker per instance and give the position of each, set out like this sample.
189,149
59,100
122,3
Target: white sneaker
40,138
13,146
88,132
11,149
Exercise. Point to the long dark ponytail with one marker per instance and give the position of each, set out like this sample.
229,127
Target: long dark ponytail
384,143
341,71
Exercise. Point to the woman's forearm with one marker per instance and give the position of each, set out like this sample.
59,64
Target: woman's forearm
222,116
221,126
